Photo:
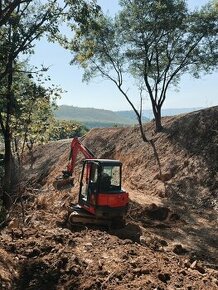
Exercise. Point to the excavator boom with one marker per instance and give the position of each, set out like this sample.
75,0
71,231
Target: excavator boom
66,180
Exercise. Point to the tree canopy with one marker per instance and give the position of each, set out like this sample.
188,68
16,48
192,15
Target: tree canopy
155,42
25,103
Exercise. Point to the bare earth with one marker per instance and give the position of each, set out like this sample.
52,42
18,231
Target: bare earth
170,240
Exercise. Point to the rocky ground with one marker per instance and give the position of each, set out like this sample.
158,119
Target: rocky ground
170,238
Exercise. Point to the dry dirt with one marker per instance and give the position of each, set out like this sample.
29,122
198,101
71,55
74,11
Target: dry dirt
170,238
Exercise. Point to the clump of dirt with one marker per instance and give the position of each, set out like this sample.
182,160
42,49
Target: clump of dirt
170,237
8,272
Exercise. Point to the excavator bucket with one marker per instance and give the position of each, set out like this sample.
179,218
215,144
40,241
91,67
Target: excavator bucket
62,183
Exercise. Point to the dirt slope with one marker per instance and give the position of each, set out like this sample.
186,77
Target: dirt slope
170,240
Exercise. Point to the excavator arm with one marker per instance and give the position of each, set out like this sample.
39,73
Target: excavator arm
76,147
66,179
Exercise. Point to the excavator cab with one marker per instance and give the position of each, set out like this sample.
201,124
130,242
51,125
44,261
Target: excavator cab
100,188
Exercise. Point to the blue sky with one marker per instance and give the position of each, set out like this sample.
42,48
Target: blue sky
103,94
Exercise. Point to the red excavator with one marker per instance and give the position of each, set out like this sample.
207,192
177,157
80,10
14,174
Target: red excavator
101,198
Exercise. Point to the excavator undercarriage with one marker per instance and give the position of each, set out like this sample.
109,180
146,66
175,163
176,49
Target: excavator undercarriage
79,216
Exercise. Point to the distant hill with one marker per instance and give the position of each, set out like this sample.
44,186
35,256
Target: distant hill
93,118
99,118
131,115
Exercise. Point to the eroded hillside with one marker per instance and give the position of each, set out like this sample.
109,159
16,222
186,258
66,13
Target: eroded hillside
170,237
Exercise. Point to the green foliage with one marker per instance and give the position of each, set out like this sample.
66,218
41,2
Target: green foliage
66,129
32,120
93,118
31,110
19,30
170,42
29,22
25,105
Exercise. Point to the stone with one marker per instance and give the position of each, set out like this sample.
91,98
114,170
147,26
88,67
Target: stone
179,250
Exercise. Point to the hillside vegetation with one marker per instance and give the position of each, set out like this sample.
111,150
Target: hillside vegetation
170,239
99,118
93,118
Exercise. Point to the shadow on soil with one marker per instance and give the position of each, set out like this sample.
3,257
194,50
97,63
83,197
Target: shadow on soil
188,215
167,224
131,232
197,134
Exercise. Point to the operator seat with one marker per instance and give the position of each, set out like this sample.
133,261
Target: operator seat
105,182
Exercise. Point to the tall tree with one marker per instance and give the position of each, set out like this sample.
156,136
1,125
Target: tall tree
99,51
164,40
28,22
156,42
22,23
33,115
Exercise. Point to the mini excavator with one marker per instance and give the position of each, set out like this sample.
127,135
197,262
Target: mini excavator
101,199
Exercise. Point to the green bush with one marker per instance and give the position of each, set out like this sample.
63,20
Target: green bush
62,129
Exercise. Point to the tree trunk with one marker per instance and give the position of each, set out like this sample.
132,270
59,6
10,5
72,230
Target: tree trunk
7,175
157,116
7,133
158,124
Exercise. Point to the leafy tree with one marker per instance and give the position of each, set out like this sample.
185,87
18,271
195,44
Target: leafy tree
165,40
155,42
7,8
33,114
22,23
99,51
66,129
28,22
